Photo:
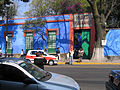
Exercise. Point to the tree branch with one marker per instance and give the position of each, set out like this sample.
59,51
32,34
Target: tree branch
113,4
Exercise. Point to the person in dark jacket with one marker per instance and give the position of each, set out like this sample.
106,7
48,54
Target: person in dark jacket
40,61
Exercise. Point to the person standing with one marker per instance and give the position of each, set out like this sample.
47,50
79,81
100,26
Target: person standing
0,52
80,53
22,54
71,56
39,60
37,48
45,50
58,53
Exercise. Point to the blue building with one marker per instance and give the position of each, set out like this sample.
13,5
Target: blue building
59,31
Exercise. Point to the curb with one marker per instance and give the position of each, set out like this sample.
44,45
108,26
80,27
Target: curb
91,63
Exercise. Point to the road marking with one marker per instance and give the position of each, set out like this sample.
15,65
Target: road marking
84,66
91,63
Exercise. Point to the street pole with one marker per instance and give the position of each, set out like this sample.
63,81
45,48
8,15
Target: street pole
6,34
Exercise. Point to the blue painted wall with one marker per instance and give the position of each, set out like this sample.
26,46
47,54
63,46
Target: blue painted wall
112,47
18,41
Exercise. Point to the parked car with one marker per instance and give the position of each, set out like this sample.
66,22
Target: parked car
51,59
17,74
114,80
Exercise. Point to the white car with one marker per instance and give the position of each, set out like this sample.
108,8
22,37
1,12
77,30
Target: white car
51,59
17,74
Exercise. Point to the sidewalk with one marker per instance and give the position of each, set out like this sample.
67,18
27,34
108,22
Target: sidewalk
94,62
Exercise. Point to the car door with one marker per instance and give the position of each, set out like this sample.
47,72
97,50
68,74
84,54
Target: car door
11,78
33,54
47,56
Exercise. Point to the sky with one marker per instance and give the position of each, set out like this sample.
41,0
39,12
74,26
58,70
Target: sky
22,8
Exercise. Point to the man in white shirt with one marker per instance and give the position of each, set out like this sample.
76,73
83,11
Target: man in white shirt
0,52
71,56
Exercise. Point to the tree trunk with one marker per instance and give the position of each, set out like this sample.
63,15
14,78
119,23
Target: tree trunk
45,42
98,53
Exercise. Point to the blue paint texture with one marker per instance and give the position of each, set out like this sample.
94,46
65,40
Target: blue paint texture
18,41
112,47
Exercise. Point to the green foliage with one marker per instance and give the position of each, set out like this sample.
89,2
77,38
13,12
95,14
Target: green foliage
56,7
35,24
38,8
70,6
3,9
113,20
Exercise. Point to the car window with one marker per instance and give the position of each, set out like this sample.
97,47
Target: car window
41,52
44,54
33,52
34,70
11,73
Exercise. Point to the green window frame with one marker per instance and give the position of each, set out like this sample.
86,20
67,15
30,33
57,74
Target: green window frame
51,41
9,43
29,41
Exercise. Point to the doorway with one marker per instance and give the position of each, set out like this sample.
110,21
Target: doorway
77,42
82,40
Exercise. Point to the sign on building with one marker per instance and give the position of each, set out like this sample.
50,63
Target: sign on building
82,20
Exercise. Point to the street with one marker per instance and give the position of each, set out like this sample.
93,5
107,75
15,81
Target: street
89,77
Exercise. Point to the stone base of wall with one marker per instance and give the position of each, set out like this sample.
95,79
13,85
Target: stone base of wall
63,57
113,57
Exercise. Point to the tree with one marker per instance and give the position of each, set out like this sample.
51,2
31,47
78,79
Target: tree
57,7
113,20
37,25
101,10
38,8
69,6
7,11
4,9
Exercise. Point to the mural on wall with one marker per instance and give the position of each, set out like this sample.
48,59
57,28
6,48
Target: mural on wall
112,47
77,40
86,43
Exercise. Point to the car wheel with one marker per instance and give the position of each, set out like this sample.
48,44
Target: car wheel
51,62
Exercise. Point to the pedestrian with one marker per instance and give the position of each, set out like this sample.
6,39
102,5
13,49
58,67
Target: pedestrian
37,48
0,52
38,54
58,53
80,54
22,54
71,56
40,61
68,56
45,50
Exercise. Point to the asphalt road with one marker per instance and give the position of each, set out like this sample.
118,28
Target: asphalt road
89,77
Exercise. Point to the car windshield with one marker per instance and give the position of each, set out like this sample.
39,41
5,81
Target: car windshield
35,71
